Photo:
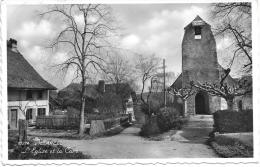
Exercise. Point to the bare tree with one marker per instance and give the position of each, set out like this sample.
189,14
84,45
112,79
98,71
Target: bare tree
147,67
118,69
85,34
159,83
222,89
234,21
183,93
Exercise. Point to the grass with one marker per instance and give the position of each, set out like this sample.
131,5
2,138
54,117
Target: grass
230,147
72,134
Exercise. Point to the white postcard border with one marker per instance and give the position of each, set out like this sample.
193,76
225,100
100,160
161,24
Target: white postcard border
209,161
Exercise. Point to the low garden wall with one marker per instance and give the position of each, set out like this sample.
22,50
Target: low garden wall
232,121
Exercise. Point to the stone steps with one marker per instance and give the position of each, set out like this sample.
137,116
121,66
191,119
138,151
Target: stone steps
200,121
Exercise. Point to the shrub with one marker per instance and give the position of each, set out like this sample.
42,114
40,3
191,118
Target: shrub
168,119
44,150
153,109
231,121
150,128
163,121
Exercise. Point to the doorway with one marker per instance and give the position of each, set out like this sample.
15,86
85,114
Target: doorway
202,103
14,114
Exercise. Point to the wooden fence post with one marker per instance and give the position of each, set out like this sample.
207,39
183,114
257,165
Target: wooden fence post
22,130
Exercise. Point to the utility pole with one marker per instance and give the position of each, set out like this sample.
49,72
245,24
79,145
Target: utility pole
164,90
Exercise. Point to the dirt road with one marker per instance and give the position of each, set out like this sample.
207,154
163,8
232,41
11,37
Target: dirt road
189,142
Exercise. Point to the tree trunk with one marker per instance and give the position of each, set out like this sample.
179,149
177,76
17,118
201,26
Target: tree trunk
184,108
81,125
82,108
230,104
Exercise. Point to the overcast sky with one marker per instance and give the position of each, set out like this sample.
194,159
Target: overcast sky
147,29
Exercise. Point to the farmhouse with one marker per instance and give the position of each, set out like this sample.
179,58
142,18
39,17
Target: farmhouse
200,64
102,97
28,92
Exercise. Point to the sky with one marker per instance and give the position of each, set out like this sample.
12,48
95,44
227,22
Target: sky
146,29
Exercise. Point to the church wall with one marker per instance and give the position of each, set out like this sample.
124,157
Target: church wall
247,102
199,56
191,105
199,63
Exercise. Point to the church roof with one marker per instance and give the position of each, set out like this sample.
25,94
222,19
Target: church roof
231,81
21,75
198,21
177,83
198,18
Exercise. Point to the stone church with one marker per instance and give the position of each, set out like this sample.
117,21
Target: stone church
200,64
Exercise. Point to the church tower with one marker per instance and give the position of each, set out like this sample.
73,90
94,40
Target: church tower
199,64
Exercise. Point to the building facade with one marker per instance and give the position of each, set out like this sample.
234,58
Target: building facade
200,65
28,92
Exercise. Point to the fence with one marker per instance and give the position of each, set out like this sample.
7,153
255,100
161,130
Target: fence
65,122
57,122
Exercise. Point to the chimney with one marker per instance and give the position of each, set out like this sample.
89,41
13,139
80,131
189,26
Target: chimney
101,86
12,44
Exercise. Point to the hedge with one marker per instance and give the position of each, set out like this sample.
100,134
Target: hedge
232,121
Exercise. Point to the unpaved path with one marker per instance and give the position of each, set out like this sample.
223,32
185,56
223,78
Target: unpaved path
190,142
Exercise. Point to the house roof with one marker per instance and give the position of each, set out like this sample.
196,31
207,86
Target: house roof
92,89
21,75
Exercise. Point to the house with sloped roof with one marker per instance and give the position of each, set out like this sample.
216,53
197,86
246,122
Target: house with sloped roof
102,97
28,92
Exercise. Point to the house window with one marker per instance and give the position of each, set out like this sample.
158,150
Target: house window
40,94
240,105
29,95
29,114
41,111
197,30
